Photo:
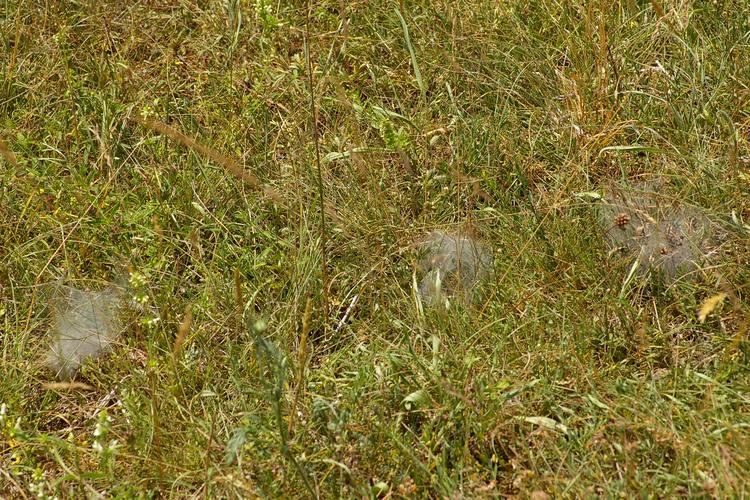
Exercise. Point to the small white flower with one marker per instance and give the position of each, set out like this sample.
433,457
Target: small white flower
137,279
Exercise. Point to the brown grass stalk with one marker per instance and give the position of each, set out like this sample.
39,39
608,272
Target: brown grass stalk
316,140
223,160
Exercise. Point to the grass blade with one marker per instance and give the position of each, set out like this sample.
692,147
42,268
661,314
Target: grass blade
412,55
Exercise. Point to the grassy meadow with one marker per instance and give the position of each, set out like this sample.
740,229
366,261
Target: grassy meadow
270,221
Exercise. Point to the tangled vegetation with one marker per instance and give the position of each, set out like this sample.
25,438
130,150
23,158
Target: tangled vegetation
276,343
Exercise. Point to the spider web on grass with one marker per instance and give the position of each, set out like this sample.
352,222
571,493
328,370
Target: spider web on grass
672,241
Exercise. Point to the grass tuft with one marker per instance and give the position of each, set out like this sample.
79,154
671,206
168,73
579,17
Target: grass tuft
576,375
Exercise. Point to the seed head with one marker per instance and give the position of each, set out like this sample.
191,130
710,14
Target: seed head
621,220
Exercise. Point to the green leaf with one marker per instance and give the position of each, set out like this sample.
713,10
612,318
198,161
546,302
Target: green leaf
235,444
336,155
417,73
546,422
518,390
589,195
380,488
416,399
594,401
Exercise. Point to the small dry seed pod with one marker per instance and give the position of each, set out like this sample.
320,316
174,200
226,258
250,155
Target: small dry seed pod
621,220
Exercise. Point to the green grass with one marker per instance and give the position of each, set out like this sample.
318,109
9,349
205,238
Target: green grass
483,115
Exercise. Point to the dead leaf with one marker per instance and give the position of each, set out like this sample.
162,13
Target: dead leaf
183,330
61,386
709,305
